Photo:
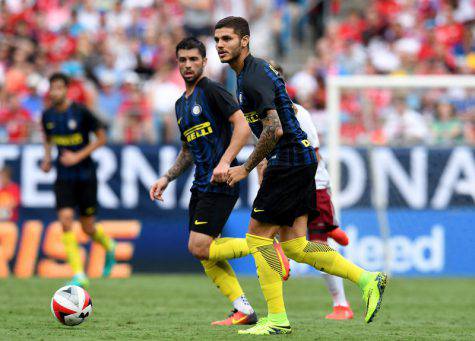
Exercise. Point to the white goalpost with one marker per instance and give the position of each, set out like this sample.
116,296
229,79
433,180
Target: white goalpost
335,85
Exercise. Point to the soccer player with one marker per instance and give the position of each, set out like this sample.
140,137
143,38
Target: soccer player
67,125
287,193
213,131
325,224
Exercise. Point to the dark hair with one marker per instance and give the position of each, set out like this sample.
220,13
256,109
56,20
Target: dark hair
59,76
191,43
238,24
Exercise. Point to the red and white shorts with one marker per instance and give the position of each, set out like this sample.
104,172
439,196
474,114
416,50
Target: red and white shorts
325,221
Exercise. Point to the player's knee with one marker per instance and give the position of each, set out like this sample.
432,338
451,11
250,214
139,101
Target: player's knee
199,251
259,229
88,225
66,218
88,229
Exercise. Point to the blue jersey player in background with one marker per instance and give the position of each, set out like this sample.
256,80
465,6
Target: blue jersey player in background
286,196
213,131
68,126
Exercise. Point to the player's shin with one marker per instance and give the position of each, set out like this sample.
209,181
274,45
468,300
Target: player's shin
228,248
336,289
324,258
100,237
223,276
72,252
269,271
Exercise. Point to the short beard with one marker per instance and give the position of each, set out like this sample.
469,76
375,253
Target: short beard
59,102
235,56
192,81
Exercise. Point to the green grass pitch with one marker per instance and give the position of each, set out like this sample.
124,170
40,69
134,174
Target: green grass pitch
181,307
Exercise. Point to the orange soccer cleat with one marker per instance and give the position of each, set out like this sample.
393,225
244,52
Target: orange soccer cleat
237,318
339,236
340,313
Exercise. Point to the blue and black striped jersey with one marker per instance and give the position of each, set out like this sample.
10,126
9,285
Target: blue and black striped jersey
260,88
69,130
203,120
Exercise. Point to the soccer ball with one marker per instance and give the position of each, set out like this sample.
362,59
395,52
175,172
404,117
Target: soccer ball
71,305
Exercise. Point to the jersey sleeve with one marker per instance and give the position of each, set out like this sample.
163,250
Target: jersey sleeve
260,88
91,122
182,138
221,100
43,124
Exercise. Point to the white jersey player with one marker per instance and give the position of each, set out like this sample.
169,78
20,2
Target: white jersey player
322,178
325,225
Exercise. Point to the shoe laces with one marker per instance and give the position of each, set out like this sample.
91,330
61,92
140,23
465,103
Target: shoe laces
244,300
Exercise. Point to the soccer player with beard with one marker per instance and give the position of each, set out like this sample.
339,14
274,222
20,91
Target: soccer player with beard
213,131
286,196
68,125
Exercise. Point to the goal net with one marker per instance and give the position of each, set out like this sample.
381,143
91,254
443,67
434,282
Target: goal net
401,158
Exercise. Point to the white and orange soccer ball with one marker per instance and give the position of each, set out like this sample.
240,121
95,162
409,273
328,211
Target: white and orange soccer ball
71,305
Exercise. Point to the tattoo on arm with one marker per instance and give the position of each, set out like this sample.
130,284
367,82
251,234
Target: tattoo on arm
270,135
182,163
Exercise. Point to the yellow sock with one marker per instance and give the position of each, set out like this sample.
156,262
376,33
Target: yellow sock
72,252
228,248
321,257
100,237
222,274
269,271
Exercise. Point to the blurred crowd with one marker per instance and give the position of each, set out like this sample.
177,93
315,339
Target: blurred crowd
391,37
120,56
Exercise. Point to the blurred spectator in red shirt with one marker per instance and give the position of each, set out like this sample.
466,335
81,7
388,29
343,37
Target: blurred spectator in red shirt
9,196
451,32
15,77
388,8
15,119
352,28
59,46
77,92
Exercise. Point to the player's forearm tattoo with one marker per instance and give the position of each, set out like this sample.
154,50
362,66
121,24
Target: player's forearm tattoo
182,163
270,135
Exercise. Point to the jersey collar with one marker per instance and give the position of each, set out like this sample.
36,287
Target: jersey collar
71,104
196,86
201,81
247,61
